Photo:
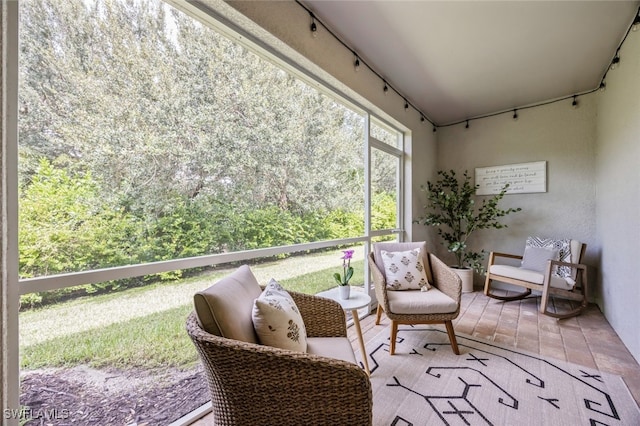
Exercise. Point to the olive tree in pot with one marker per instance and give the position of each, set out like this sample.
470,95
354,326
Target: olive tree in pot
451,208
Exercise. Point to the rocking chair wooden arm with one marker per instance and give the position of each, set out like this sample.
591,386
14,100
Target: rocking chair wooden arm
495,254
571,265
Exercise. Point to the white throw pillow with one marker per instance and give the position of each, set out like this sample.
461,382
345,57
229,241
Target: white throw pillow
536,258
277,320
564,251
404,270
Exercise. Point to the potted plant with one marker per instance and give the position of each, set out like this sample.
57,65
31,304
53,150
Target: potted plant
343,280
451,208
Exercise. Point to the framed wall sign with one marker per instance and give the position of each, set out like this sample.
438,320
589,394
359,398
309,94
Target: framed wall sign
522,178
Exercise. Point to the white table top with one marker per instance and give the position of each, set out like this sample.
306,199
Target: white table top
357,299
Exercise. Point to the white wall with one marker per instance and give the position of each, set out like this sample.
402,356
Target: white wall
556,133
618,194
325,56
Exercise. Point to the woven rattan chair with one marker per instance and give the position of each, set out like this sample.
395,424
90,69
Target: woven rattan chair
414,306
254,384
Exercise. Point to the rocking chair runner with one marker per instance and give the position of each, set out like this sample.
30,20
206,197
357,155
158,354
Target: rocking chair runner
547,281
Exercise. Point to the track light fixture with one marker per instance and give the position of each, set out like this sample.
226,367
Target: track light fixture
467,125
603,86
636,22
574,104
356,63
385,89
434,129
422,118
406,105
515,115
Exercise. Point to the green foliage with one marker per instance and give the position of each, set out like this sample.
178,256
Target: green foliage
384,207
65,225
192,114
451,203
343,224
146,136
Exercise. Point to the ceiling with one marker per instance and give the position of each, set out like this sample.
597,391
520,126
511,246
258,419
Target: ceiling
455,60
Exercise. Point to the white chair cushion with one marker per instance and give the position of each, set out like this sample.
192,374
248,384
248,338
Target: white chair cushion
404,270
277,320
331,347
531,276
421,302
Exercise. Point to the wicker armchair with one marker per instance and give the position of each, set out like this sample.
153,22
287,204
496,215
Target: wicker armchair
254,384
446,284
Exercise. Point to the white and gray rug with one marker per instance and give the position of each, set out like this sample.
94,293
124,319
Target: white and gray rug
488,384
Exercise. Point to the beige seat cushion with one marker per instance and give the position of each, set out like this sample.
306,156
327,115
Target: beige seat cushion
331,347
421,302
224,309
531,276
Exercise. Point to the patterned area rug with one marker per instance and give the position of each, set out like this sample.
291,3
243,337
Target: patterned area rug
487,384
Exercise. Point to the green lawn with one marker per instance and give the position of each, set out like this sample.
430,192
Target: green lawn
144,327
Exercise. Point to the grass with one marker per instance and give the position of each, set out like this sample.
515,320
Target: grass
156,340
144,327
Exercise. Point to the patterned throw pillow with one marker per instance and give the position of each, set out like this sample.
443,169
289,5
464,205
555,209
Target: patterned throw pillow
404,270
564,251
277,320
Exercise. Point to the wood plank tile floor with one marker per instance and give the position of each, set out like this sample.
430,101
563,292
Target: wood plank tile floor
587,339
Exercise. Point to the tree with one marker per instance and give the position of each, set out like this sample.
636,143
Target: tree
190,138
450,203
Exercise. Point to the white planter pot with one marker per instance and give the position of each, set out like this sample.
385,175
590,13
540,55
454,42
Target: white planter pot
466,275
345,291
